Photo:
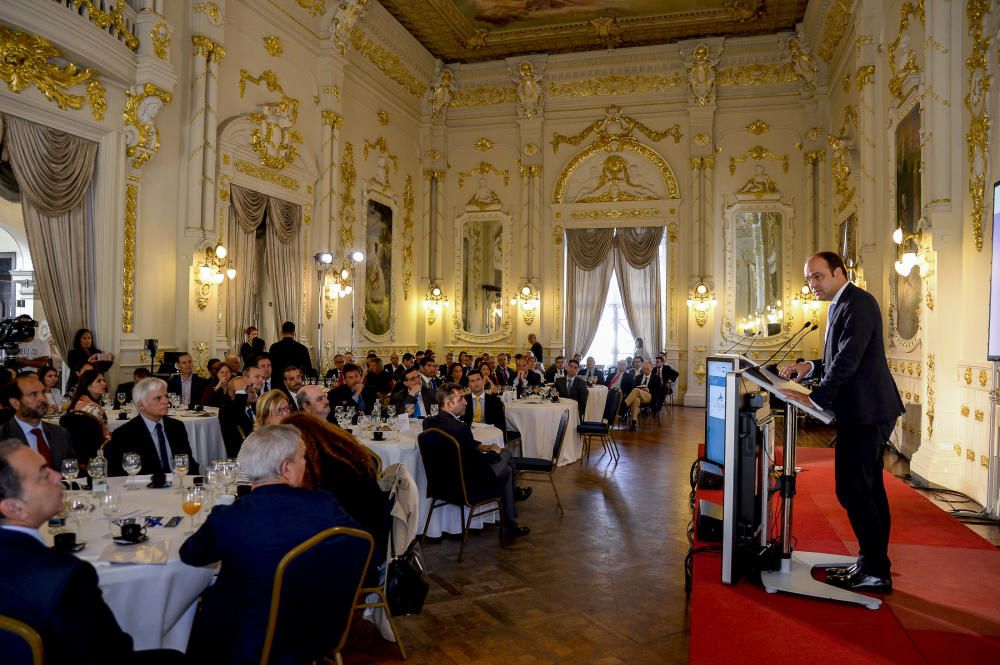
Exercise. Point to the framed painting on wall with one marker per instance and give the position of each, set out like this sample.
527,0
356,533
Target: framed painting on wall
378,269
906,292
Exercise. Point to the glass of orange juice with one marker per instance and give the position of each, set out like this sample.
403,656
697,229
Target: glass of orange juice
193,498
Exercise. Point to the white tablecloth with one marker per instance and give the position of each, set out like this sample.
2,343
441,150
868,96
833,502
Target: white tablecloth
402,449
155,604
538,422
597,399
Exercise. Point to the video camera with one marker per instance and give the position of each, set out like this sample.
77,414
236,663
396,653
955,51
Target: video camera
13,331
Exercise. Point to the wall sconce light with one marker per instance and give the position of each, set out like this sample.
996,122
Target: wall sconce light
213,270
433,302
910,250
701,299
530,300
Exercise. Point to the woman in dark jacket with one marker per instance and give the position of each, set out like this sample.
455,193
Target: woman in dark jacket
85,350
253,347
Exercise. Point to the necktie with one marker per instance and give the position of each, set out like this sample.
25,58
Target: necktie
416,407
267,386
164,457
829,320
645,379
477,409
43,446
361,404
250,413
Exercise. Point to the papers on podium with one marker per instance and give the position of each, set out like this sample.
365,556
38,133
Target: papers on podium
784,384
762,377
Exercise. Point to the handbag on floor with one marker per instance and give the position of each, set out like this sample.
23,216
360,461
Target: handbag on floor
406,582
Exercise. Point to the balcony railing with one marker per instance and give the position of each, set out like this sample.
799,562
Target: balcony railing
116,17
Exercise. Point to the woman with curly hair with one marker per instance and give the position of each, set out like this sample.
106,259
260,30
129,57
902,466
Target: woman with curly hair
87,399
337,463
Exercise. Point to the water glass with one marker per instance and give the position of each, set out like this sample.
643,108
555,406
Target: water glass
391,410
111,503
77,505
70,469
97,469
339,413
181,464
132,463
434,409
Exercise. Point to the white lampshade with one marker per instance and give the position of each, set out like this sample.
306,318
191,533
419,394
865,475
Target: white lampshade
231,272
221,251
218,277
205,273
357,256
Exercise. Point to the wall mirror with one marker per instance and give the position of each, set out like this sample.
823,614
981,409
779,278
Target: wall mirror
482,274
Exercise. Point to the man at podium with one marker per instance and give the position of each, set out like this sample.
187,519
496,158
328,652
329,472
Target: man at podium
856,385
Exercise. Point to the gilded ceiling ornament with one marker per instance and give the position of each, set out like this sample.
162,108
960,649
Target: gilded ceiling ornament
701,74
483,144
484,96
272,44
746,11
407,235
274,136
814,156
758,127
614,84
345,17
529,90
483,168
530,149
615,127
606,31
260,173
211,10
800,59
383,118
314,7
95,97
477,39
24,62
526,171
160,36
442,91
757,153
128,258
834,25
348,176
702,140
383,149
332,118
902,58
977,103
387,62
757,74
331,90
112,20
142,104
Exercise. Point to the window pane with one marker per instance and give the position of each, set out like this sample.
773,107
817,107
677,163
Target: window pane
614,340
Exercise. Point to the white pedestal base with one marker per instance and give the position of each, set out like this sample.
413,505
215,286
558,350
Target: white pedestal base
795,576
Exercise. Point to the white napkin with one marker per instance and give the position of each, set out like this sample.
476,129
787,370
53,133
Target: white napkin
144,553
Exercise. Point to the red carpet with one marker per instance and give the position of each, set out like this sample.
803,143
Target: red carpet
945,607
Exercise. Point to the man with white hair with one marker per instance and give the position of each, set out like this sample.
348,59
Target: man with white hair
250,537
152,434
312,399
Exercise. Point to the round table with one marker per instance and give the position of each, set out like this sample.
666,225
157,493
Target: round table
401,448
154,603
596,400
538,420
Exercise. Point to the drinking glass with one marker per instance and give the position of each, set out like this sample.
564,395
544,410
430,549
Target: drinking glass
193,498
76,506
349,412
391,410
132,463
339,413
181,463
70,469
411,408
121,400
97,469
434,409
174,399
111,503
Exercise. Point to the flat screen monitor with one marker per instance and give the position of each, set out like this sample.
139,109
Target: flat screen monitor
994,336
715,403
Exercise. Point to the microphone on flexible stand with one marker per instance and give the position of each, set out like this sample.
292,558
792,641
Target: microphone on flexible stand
782,358
738,342
787,342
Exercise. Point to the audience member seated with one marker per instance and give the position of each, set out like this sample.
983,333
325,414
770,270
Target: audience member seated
337,463
666,375
74,378
253,347
49,376
55,593
377,378
556,370
272,409
236,416
85,350
187,384
232,361
616,375
429,372
138,374
456,374
646,385
354,392
87,398
292,381
393,365
407,363
504,374
263,363
574,386
313,400
212,366
487,468
286,351
215,393
336,373
250,537
412,396
153,434
482,407
24,395
591,373
525,379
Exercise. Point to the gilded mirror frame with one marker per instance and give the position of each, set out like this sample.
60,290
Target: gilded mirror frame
506,287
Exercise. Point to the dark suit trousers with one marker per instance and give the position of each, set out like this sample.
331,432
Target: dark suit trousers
861,491
503,469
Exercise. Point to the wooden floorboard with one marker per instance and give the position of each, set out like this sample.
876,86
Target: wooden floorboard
602,584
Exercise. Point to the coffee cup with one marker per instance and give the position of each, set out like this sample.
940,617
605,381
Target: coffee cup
133,531
65,541
158,480
377,435
122,416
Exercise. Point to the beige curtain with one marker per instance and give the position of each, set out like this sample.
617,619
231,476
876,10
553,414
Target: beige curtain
284,266
638,272
54,171
588,277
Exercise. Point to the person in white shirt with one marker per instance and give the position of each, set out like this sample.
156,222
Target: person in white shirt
34,352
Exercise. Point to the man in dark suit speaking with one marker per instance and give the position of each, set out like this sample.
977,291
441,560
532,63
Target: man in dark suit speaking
856,385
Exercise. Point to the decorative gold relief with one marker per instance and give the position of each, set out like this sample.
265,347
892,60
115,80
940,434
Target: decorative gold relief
965,410
211,10
865,76
484,144
968,376
626,143
160,36
530,149
314,7
616,214
483,96
977,103
482,168
757,153
255,171
407,235
274,136
746,11
758,127
128,258
383,118
615,85
533,170
95,97
272,44
381,146
979,415
958,449
24,62
984,461
112,20
757,74
141,106
840,167
348,176
332,118
898,73
204,46
834,26
615,127
970,454
814,156
930,394
700,372
387,62
983,378
702,140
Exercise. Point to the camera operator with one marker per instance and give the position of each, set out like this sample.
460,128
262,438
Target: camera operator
33,351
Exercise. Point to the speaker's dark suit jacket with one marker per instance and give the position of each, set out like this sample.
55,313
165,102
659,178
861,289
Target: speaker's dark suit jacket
133,437
57,437
198,386
344,396
856,384
250,537
479,477
57,595
493,411
236,425
575,390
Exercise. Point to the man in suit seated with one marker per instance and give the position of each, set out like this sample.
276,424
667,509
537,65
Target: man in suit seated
574,386
486,467
591,372
429,372
481,407
557,370
292,382
616,375
413,393
336,373
393,365
186,383
139,374
26,396
666,375
236,416
152,434
54,592
408,362
250,537
262,361
503,373
646,385
354,392
525,378
312,399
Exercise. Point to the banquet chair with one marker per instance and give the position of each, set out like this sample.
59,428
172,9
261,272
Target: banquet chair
376,460
85,433
546,466
650,411
304,632
442,459
20,644
603,430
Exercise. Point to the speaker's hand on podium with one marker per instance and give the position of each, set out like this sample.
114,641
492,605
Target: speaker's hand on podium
796,371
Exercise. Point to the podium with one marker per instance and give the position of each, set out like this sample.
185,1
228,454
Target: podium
795,573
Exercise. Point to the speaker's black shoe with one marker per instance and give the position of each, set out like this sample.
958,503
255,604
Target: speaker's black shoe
522,493
842,571
863,582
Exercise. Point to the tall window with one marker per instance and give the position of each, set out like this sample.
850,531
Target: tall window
614,340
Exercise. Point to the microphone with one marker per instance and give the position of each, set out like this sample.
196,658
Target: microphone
780,360
789,341
738,342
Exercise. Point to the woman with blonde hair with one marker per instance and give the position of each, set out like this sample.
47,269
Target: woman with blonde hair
272,409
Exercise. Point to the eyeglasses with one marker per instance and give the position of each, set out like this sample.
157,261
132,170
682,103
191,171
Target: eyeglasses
283,410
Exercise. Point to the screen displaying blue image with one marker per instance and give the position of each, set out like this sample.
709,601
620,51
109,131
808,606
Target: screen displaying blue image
715,407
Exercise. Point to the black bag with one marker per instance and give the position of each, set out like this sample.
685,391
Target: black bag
406,582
